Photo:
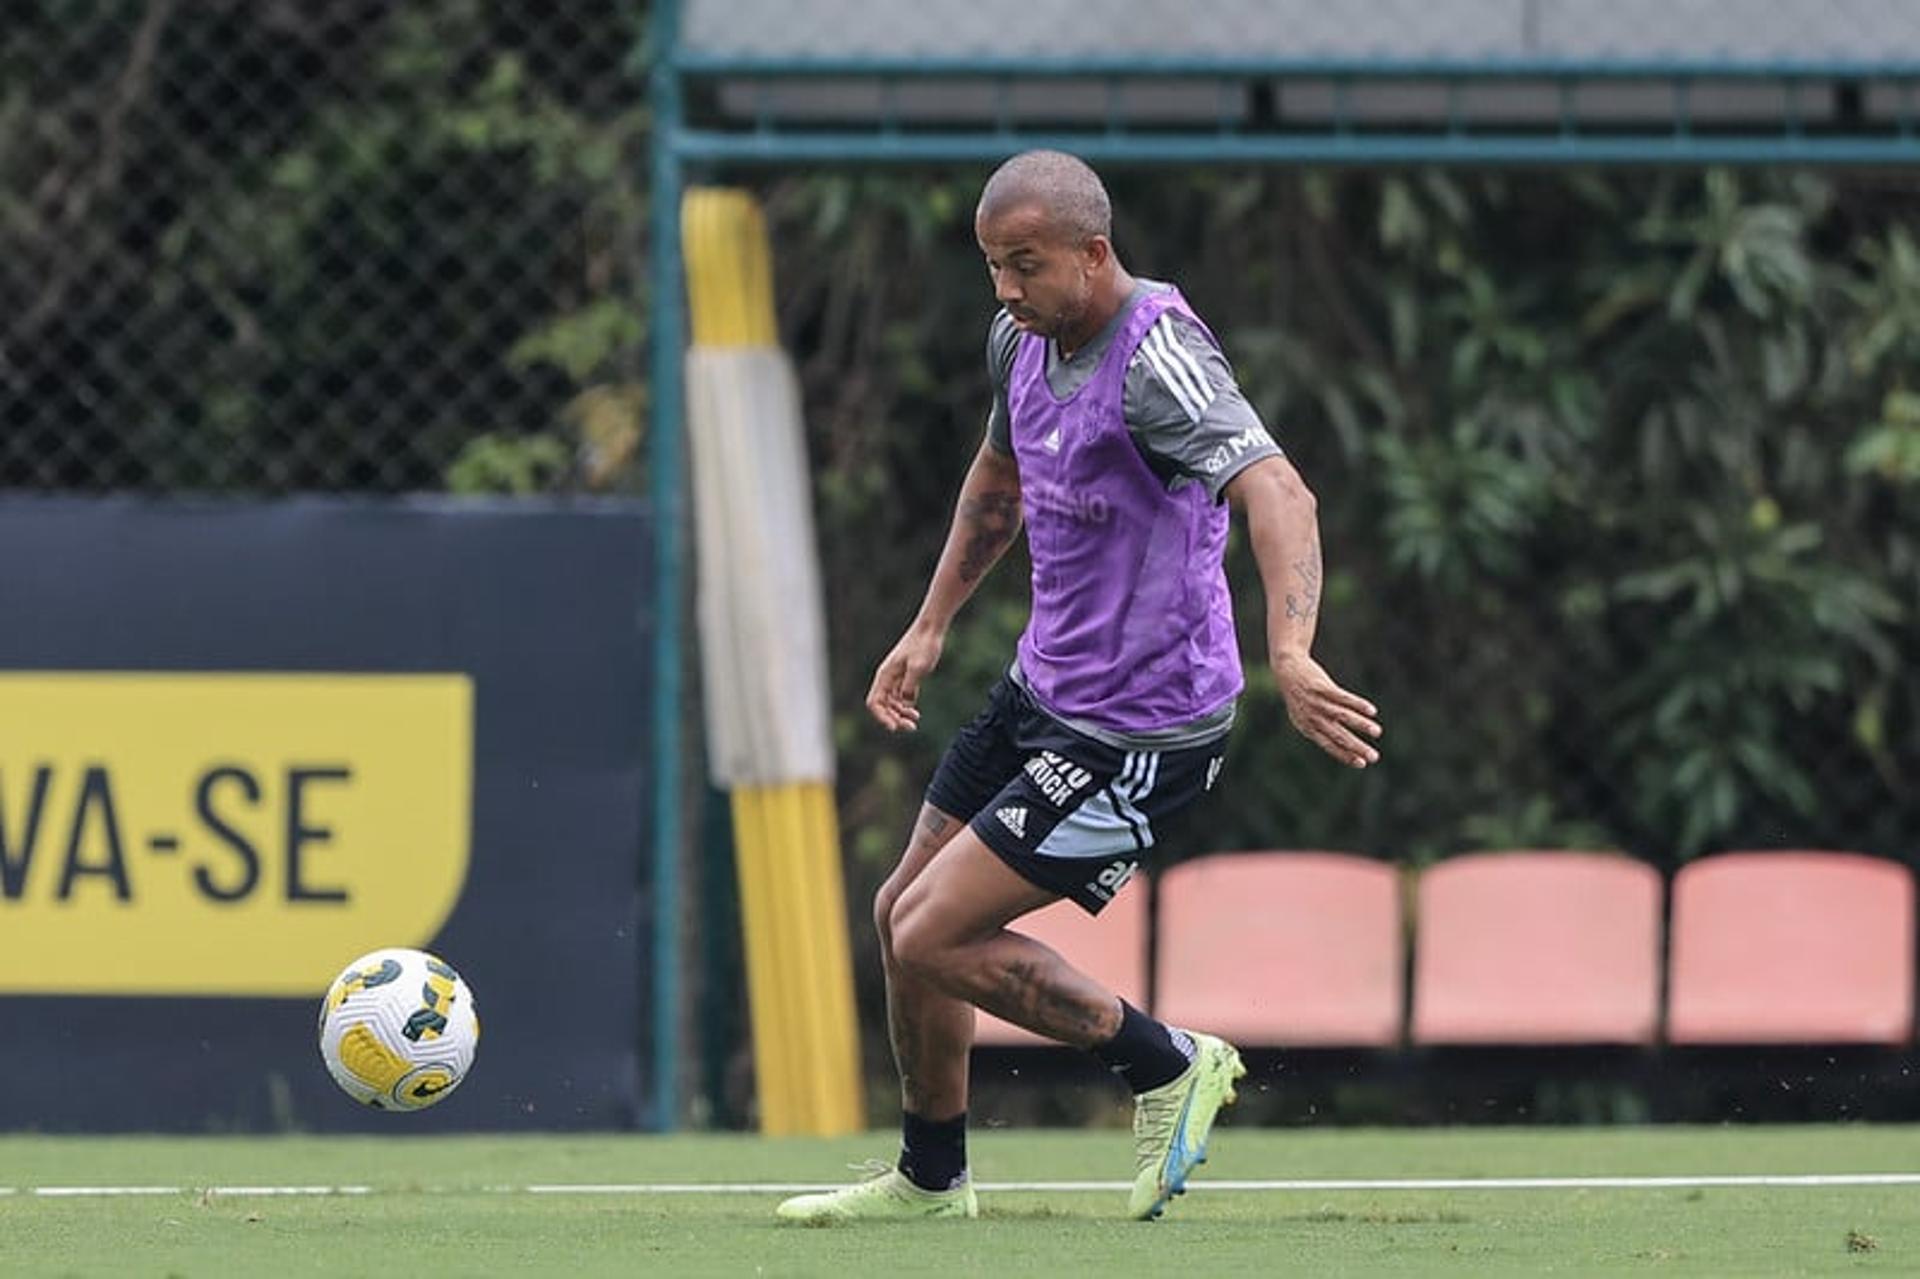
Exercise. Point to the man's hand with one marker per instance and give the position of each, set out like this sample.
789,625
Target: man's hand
896,685
1330,717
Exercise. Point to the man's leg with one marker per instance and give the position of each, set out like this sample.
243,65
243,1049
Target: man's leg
932,1036
931,1032
949,931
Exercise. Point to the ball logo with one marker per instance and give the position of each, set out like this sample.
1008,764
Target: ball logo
155,826
427,1083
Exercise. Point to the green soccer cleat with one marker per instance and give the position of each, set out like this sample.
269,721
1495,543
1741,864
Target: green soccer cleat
887,1197
1171,1123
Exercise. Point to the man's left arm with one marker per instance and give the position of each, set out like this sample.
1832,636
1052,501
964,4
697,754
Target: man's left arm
1284,529
1193,425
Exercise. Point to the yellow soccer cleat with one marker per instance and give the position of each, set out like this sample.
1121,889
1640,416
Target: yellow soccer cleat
887,1197
1171,1123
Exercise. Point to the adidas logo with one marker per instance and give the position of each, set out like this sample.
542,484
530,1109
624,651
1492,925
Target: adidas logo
1014,818
1052,443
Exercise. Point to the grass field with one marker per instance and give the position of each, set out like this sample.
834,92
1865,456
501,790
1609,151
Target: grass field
583,1206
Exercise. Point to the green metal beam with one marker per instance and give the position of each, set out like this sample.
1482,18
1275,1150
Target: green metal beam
692,62
667,488
785,147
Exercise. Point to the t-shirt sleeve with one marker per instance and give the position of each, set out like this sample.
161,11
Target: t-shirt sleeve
1003,340
1186,411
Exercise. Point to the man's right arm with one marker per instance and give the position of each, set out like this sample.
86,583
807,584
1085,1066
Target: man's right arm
986,519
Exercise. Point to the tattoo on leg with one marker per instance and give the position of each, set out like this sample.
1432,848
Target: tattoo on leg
1025,993
905,1030
933,833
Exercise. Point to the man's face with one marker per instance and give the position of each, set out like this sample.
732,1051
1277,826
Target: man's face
1042,277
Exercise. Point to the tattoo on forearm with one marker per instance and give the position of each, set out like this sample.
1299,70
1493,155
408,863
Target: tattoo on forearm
991,520
1303,605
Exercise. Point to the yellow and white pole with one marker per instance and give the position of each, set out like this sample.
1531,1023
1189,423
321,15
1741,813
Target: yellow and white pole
763,662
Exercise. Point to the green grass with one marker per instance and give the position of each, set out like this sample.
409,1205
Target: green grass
436,1208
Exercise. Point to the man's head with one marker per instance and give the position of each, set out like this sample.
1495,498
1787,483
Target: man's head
1045,226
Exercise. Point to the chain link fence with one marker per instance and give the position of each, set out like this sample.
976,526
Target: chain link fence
260,245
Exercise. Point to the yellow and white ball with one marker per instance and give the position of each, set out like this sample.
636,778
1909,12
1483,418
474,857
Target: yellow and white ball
398,1029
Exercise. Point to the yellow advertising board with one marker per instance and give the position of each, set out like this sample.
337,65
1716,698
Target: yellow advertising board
225,833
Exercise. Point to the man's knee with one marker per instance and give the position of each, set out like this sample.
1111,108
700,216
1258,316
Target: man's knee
914,935
884,900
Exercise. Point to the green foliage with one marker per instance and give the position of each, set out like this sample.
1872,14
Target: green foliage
1610,467
516,464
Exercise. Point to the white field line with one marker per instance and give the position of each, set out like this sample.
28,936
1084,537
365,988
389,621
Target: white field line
1398,1183
238,1192
1780,1180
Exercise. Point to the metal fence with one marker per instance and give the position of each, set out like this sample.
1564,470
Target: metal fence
350,244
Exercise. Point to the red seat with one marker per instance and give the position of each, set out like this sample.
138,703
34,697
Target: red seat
1282,948
1537,947
1792,947
1111,948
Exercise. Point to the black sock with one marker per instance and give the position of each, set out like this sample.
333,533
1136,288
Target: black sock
933,1153
1146,1053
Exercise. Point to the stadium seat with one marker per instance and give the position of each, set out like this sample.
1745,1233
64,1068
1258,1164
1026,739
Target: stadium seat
1537,947
1792,947
1282,949
1110,947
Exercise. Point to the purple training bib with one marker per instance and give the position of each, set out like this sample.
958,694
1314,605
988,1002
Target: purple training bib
1132,625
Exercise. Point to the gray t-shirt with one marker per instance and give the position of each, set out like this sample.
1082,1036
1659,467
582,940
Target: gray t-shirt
1181,403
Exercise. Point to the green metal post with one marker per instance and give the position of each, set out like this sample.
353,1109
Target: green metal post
668,493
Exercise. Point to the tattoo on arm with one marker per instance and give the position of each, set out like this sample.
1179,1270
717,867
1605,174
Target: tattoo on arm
991,519
1302,606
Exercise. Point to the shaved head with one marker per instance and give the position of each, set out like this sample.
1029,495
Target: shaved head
1046,230
1058,184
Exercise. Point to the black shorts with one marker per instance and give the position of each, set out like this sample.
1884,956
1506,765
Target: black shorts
1071,814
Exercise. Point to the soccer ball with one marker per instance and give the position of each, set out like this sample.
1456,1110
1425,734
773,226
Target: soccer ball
398,1029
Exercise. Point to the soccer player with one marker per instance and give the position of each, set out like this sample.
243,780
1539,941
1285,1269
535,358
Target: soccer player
1118,436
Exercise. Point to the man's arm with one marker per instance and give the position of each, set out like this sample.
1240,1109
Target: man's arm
1283,526
986,519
